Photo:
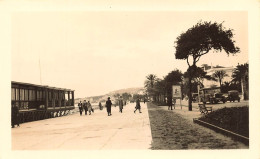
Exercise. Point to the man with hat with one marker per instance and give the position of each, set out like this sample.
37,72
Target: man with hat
108,105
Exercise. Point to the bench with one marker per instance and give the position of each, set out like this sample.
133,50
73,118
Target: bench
204,109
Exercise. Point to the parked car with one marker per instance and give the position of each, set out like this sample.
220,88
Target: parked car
212,95
233,95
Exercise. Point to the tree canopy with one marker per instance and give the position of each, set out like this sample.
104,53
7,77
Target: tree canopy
239,72
173,77
201,38
150,80
149,83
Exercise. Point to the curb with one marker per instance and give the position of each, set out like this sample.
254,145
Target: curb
231,134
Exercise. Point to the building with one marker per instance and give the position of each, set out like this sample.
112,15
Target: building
211,70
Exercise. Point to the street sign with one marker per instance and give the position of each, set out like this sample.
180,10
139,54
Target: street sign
176,91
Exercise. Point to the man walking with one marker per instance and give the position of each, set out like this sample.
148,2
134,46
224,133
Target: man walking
138,106
120,103
89,108
85,106
108,105
80,108
171,103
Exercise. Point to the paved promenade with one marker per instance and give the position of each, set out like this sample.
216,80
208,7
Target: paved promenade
161,129
92,132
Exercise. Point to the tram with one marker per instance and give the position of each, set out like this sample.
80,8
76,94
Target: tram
37,102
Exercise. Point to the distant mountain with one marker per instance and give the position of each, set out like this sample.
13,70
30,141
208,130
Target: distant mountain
135,90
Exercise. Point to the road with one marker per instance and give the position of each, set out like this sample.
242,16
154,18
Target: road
98,131
220,105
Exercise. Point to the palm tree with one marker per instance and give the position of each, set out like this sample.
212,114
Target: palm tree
149,84
150,80
219,75
240,75
159,90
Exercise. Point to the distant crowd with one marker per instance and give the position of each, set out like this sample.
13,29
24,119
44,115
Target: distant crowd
83,106
86,106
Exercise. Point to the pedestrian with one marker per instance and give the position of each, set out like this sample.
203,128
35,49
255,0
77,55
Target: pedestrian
138,106
80,108
172,104
108,106
15,120
120,103
144,101
85,106
90,108
100,106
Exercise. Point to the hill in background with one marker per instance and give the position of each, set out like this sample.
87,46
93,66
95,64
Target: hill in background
95,99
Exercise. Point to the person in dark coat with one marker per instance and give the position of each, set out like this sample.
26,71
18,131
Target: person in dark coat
171,103
90,108
80,108
120,103
108,105
138,106
85,106
15,120
100,106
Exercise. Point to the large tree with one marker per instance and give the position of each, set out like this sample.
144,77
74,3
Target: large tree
240,75
199,40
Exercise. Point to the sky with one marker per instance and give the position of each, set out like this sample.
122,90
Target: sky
95,52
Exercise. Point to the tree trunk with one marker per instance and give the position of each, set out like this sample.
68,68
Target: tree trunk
220,84
243,88
189,94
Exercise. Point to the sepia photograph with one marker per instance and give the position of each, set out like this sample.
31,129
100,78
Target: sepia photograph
131,80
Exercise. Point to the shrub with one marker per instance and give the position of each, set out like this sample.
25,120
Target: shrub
235,119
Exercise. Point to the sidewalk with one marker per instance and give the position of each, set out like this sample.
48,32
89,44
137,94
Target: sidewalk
98,131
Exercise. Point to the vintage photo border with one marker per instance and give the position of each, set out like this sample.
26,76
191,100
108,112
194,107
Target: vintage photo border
251,6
